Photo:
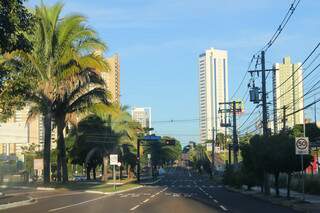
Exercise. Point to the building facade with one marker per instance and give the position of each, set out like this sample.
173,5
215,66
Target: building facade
213,89
112,78
288,93
17,133
142,115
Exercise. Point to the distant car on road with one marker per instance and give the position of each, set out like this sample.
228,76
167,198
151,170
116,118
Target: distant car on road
79,178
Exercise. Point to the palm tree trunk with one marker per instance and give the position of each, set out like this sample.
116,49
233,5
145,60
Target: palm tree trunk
47,148
58,164
94,173
62,149
105,168
88,172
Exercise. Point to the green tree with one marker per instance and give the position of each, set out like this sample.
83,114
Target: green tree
200,160
16,22
92,139
62,66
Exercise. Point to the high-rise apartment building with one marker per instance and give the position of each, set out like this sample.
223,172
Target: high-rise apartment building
213,89
142,115
112,78
288,93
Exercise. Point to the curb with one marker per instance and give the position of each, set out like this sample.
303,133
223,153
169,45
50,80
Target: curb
28,187
45,188
150,183
19,203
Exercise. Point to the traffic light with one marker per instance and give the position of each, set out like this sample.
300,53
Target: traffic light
170,142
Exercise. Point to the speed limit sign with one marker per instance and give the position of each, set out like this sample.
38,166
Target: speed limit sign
302,146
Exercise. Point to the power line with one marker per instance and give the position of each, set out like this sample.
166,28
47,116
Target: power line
248,117
282,25
244,77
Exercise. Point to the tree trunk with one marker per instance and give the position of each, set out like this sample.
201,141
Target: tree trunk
120,172
276,180
62,148
129,171
58,164
105,168
88,172
94,172
47,148
288,185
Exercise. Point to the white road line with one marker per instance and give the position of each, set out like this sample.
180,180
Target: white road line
146,200
152,196
210,197
132,209
77,204
223,208
215,200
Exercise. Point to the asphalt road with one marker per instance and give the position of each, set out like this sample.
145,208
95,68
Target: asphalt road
178,191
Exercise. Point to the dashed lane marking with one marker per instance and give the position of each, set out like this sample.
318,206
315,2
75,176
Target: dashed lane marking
146,200
223,208
77,204
134,208
215,200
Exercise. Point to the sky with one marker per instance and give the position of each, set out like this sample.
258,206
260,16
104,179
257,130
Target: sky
159,42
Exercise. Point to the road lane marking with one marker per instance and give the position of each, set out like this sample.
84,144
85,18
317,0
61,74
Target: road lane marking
146,200
215,200
152,196
223,208
77,204
132,209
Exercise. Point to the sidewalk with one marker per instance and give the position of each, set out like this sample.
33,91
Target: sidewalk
310,205
296,195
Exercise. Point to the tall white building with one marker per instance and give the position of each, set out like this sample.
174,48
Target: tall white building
142,115
288,93
213,89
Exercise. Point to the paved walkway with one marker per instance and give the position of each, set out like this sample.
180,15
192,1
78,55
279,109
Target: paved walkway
283,192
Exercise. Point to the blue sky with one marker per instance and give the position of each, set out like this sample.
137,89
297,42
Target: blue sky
159,41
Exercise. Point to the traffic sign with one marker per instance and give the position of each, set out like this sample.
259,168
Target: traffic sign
302,146
151,138
113,159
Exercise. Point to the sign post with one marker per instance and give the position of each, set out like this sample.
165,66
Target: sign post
114,162
302,148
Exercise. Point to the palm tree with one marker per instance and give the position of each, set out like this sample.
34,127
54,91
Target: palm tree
61,67
123,128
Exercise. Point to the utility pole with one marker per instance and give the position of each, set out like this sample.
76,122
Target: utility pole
284,119
235,135
264,116
229,149
212,152
315,111
254,97
232,108
138,160
264,97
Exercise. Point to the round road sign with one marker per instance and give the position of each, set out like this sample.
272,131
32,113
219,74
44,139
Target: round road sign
302,144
